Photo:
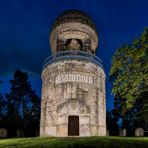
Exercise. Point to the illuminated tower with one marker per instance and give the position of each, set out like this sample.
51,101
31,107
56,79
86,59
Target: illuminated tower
73,80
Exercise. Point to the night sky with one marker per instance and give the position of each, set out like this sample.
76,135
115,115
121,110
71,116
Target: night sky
25,27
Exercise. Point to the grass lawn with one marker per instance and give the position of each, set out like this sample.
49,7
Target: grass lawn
86,142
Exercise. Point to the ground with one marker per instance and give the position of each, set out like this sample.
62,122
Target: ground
75,142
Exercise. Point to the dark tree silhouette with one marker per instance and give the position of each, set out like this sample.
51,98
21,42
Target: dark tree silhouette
12,119
112,125
23,105
2,107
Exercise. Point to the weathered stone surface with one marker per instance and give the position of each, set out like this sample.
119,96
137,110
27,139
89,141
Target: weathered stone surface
82,31
73,90
139,132
3,133
73,97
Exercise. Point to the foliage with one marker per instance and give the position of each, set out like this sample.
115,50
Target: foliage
2,106
23,105
111,122
83,142
129,77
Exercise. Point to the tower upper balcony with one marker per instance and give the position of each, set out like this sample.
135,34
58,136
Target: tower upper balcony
73,30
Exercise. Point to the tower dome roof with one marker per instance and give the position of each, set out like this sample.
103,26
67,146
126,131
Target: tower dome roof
74,16
76,25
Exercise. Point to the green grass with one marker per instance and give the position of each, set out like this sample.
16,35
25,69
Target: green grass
86,142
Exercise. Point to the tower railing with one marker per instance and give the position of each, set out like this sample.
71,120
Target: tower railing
73,55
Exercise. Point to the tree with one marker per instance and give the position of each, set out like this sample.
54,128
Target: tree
2,106
12,120
2,103
112,123
2,109
23,103
129,77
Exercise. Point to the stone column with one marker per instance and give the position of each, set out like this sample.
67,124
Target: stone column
42,119
101,105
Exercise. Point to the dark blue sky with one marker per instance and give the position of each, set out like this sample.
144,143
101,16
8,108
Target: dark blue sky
25,27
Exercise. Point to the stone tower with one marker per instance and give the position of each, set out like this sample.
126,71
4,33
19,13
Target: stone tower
73,80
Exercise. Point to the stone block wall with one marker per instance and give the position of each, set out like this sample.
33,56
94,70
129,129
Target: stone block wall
73,88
